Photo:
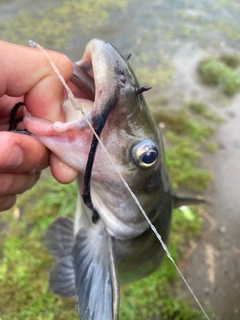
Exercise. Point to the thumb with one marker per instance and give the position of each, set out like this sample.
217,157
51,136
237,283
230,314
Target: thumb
32,75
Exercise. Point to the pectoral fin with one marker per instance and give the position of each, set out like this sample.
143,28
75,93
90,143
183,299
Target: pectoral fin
184,201
62,281
59,238
59,241
95,274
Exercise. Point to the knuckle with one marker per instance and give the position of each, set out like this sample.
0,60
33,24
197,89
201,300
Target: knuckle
17,183
6,183
32,179
7,202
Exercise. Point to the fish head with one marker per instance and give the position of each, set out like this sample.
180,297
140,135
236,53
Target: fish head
130,137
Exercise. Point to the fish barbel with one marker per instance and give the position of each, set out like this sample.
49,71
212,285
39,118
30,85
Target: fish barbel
94,254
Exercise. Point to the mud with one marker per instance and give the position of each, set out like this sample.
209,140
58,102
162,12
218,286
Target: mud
213,269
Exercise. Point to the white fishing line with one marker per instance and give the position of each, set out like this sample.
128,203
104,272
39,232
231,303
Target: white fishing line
78,106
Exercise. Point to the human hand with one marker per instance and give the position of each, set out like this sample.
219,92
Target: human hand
26,75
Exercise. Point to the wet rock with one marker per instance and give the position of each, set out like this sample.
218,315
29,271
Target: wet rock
236,144
230,114
221,146
217,253
206,291
162,125
236,286
222,229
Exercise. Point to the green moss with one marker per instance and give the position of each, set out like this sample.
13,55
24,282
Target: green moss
211,146
54,26
198,107
203,110
24,269
182,160
181,122
231,60
155,294
188,134
161,74
215,72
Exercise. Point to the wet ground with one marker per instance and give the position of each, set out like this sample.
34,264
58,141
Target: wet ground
171,36
213,269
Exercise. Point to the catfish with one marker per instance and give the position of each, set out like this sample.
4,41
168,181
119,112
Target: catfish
112,244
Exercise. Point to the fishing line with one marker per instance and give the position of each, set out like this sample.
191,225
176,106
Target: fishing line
76,104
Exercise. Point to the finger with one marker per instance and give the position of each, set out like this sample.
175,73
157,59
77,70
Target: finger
62,172
7,103
15,183
7,202
33,75
6,106
20,153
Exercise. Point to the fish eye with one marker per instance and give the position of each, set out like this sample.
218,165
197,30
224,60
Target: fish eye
145,153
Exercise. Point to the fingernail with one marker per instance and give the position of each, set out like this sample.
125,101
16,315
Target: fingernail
15,158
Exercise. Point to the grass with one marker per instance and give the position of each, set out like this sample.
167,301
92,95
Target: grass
231,60
26,263
182,122
202,109
144,299
24,269
211,146
182,160
215,72
188,135
55,25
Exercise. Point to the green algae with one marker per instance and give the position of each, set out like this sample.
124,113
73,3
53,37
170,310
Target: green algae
214,72
55,26
155,295
25,267
230,59
160,76
182,159
188,132
202,109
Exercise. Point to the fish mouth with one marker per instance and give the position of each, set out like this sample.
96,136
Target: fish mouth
83,81
99,76
96,83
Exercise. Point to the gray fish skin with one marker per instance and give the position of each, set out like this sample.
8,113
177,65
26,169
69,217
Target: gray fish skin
133,141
